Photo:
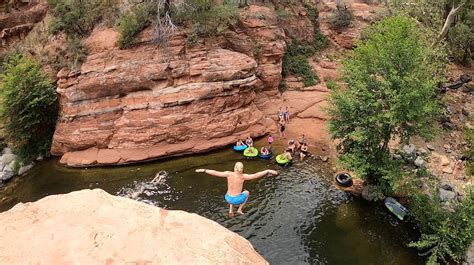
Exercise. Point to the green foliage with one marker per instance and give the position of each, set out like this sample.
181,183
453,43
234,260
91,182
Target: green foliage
390,93
445,235
295,60
282,87
78,17
469,134
341,18
133,22
206,19
461,39
332,85
29,108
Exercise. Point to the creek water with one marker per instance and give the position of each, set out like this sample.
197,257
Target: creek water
297,217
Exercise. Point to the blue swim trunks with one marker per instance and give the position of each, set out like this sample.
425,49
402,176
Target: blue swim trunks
236,200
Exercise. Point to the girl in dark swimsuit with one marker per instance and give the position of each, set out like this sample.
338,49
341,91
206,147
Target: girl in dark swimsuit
303,151
282,128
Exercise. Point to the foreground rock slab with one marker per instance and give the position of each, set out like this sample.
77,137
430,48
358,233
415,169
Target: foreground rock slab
94,227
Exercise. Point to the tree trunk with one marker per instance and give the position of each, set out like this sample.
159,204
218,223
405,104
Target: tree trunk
447,23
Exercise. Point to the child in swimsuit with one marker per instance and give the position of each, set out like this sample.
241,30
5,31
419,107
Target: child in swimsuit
239,143
291,145
303,151
264,151
249,142
282,129
286,114
270,140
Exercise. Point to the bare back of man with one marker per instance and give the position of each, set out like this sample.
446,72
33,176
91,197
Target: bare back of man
235,185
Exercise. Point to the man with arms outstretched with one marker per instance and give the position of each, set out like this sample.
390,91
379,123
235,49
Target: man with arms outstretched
235,184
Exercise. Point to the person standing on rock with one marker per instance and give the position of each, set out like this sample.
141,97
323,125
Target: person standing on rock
235,184
281,124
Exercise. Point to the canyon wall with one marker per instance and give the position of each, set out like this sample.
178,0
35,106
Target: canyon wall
147,102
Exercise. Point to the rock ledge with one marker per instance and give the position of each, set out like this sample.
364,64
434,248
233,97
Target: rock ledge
94,227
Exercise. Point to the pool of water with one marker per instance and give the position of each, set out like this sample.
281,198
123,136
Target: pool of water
297,217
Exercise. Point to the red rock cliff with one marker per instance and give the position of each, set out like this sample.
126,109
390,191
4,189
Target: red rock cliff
143,103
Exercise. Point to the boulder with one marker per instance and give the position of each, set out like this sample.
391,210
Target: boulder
469,257
422,151
367,194
1,166
7,169
409,149
446,195
419,162
7,150
24,169
6,175
7,158
94,227
430,147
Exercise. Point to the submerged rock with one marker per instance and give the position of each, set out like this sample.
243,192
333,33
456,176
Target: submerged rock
94,227
24,169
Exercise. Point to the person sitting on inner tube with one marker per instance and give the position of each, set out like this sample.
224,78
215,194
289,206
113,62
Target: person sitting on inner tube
264,151
303,151
287,154
249,141
239,142
292,145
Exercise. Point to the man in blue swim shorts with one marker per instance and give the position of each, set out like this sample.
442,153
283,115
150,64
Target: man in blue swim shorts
235,184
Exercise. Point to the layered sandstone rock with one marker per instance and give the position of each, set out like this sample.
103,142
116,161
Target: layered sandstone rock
93,227
147,102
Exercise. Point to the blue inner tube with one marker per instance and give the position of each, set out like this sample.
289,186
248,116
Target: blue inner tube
240,148
266,156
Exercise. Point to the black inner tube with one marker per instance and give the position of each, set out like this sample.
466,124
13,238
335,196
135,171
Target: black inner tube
344,179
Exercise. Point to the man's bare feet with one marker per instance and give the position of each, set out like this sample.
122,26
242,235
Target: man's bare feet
240,212
231,214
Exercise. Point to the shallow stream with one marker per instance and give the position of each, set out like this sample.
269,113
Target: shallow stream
297,217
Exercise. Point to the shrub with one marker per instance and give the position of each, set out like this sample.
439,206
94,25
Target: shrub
133,22
445,235
332,85
206,19
461,39
469,135
29,108
341,18
391,88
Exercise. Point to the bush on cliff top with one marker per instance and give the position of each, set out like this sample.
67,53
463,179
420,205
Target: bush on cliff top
133,22
29,107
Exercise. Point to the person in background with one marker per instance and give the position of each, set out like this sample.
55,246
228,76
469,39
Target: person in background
300,142
270,140
249,141
292,145
281,124
287,155
281,114
264,151
286,114
239,142
303,151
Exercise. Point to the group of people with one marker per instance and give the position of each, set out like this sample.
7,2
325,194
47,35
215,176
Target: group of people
297,146
283,119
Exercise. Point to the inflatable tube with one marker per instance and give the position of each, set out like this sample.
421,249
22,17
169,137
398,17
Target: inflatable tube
253,154
266,156
281,159
396,208
344,179
240,148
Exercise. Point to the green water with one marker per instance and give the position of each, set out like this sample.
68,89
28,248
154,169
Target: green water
297,217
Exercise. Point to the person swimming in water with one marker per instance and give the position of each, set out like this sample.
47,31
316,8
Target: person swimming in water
235,184
249,141
287,154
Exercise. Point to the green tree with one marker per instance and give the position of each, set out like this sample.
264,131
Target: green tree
29,107
391,84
